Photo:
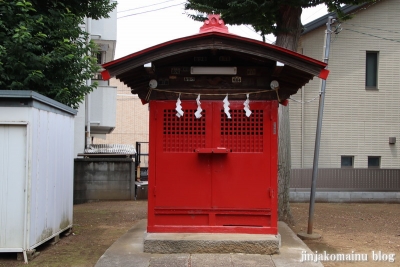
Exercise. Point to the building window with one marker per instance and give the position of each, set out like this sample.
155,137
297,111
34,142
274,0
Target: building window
347,162
371,70
374,162
100,55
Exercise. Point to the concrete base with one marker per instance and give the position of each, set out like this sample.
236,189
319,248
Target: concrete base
305,236
128,251
170,243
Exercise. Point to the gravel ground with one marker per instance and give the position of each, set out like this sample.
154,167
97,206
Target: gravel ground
345,229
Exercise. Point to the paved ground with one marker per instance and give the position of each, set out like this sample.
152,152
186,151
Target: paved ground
128,251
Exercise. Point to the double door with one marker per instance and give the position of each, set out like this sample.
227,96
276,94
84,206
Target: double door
213,173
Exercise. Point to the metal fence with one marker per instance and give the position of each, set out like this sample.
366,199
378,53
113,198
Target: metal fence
378,180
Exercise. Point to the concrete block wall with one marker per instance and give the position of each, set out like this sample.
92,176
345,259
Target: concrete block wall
346,197
103,179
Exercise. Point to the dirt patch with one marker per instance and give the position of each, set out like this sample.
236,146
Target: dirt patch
353,228
362,228
96,226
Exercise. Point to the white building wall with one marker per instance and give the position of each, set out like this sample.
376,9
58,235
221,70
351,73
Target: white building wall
99,27
356,122
132,118
103,109
103,32
79,134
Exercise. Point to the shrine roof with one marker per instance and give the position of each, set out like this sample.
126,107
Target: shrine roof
293,69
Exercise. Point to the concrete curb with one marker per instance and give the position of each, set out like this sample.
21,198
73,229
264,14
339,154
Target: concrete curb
216,243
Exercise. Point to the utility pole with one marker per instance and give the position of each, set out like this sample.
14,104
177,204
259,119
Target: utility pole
309,234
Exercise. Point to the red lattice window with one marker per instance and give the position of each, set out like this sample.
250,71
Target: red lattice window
183,134
242,133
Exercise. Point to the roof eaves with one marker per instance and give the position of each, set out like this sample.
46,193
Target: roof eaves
112,66
323,20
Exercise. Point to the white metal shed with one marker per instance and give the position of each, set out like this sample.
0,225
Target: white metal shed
36,170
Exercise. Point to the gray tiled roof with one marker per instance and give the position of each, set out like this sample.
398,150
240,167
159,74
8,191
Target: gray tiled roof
323,20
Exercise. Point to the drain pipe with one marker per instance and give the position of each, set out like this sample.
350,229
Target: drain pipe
87,97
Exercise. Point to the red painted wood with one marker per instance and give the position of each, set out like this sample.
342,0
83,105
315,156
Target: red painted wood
213,174
214,23
105,75
215,229
324,74
216,150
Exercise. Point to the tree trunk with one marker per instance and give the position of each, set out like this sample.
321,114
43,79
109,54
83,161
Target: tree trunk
288,26
289,29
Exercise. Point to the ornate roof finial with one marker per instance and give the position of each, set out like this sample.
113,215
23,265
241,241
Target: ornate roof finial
214,23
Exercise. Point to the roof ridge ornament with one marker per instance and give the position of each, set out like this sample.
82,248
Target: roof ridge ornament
214,23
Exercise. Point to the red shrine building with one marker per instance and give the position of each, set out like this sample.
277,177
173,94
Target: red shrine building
213,99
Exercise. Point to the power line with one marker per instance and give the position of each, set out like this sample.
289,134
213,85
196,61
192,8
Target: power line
304,102
373,28
150,11
239,27
258,33
144,6
322,6
379,37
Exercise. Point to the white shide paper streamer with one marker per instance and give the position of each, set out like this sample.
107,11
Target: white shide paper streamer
226,106
199,109
179,111
246,106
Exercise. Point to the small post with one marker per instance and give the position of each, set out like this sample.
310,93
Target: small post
309,234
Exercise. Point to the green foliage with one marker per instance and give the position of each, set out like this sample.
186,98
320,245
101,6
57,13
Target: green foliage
44,48
263,15
94,9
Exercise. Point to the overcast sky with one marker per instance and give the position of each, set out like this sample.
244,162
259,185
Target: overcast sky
142,24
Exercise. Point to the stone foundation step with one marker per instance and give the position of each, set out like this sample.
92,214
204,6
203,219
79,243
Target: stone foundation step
165,243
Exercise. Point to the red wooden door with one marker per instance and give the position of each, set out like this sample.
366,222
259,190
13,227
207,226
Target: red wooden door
213,174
